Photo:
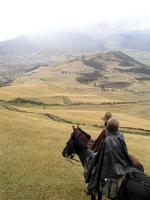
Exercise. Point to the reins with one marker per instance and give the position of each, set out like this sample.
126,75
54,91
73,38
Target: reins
71,159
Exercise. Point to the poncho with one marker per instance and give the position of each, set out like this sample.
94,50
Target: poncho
112,161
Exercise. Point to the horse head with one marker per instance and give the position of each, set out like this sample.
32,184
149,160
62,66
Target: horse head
78,138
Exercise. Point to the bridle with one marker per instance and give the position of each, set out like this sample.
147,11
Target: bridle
71,159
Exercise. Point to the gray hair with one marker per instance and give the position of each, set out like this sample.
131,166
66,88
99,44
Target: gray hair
113,125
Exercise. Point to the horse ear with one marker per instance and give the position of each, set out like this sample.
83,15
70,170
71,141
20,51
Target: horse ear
78,126
73,127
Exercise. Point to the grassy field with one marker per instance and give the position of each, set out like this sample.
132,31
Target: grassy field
32,167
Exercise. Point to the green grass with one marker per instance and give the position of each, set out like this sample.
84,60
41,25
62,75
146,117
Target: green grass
32,167
34,130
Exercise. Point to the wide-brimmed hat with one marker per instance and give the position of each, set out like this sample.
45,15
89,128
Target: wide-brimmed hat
107,116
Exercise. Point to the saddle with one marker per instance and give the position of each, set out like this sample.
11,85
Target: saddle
111,187
140,178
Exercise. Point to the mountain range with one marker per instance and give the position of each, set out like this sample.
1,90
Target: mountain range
24,53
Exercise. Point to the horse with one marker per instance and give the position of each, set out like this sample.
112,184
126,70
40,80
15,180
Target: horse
81,148
135,186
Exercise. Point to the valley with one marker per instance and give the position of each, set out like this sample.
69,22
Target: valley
38,110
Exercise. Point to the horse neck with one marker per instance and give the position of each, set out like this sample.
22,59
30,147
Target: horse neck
82,152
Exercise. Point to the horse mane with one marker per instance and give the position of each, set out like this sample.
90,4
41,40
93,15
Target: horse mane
88,136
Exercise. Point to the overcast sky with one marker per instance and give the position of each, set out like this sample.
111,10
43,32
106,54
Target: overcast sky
19,17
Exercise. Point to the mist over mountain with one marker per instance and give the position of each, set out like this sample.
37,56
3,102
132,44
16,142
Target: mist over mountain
93,38
68,42
29,51
132,40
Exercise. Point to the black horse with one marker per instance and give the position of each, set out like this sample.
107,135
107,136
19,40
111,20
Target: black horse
78,144
136,186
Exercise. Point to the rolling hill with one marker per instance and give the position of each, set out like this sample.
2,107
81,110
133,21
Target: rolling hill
27,52
39,108
24,53
92,79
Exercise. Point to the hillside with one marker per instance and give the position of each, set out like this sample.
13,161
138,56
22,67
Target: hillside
141,56
98,79
27,52
39,108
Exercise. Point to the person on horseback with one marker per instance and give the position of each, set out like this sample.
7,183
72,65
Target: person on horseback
104,170
111,164
96,146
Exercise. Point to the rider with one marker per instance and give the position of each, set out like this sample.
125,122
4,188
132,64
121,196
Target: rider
113,162
96,147
97,143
